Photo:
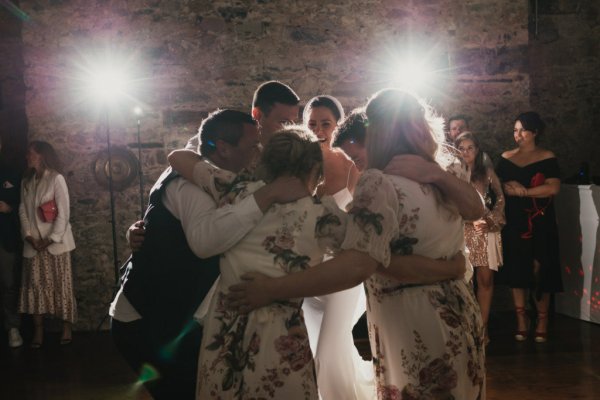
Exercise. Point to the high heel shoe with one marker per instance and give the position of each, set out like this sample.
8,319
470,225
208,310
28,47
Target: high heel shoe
521,336
541,337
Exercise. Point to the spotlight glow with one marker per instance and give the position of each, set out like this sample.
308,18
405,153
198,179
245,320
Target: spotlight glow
108,83
411,74
411,63
108,80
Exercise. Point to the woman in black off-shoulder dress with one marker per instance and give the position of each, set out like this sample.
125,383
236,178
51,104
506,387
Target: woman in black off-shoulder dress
530,177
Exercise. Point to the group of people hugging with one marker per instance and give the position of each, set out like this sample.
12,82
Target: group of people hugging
262,247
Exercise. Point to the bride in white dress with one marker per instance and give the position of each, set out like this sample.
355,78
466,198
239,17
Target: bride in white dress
341,372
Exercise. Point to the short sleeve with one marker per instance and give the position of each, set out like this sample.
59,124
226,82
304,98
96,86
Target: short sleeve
213,180
244,189
330,229
551,168
373,217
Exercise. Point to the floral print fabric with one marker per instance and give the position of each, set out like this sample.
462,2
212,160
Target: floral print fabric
266,354
426,340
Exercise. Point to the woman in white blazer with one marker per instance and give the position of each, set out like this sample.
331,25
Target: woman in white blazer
46,285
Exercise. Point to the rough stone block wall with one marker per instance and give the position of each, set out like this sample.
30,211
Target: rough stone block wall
564,55
13,122
194,56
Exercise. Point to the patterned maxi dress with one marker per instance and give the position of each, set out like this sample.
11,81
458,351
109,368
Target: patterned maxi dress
266,353
426,340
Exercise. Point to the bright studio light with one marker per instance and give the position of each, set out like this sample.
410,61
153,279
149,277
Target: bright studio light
138,111
413,64
410,74
108,79
108,84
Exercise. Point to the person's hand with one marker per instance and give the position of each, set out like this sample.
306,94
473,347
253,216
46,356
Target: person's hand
31,241
514,188
415,168
250,294
459,265
38,244
42,244
481,226
4,207
135,235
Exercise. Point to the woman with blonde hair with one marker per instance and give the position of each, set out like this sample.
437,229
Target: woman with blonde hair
426,339
47,282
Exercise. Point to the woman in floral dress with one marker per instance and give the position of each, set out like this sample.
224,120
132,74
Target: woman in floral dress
426,340
266,354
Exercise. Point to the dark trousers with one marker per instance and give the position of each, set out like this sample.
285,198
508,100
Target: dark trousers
9,288
167,364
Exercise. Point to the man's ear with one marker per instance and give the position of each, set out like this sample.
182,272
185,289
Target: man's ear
222,148
256,113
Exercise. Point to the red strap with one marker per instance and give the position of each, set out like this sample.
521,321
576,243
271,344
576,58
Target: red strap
533,212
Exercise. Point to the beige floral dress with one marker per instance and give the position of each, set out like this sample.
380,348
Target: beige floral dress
426,340
266,353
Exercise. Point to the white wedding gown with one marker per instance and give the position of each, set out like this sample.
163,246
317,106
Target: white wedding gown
341,371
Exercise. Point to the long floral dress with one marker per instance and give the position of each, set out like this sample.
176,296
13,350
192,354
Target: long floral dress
266,353
485,249
426,340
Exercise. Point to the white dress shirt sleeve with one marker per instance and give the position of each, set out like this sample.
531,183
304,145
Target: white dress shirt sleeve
209,230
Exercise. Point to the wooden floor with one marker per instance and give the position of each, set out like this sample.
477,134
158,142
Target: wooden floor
567,367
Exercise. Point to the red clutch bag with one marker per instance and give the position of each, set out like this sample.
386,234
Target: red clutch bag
48,211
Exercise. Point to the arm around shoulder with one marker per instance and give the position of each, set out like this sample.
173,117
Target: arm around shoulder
183,161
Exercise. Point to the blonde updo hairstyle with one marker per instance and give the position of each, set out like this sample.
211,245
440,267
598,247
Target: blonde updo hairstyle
291,151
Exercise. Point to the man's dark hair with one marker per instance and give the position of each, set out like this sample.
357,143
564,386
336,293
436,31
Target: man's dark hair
459,117
273,92
353,128
225,125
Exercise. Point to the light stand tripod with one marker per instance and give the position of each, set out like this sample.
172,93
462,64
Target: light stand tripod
113,220
138,112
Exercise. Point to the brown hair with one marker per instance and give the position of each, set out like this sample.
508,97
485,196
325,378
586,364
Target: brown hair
293,150
50,159
479,172
398,123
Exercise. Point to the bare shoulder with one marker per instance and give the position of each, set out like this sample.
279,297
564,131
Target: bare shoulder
545,153
510,153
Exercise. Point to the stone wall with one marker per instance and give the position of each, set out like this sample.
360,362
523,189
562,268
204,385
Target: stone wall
194,56
564,55
13,121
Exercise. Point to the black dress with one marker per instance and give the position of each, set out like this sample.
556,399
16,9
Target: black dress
530,232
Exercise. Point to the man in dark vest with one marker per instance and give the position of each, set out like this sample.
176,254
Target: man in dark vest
166,279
